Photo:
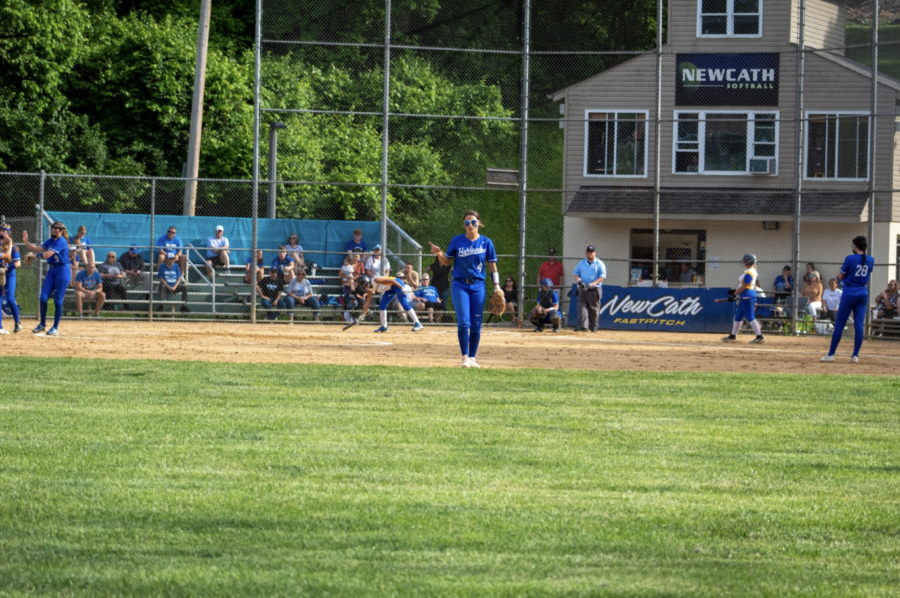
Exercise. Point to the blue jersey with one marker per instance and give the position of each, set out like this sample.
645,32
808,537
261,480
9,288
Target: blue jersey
89,282
170,275
11,266
169,245
395,287
60,249
428,294
469,256
280,264
856,270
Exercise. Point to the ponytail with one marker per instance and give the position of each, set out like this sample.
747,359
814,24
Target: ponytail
862,244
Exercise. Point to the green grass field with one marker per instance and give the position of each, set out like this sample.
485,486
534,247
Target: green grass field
195,479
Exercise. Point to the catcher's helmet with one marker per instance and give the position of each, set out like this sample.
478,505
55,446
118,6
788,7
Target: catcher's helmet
364,281
749,259
546,283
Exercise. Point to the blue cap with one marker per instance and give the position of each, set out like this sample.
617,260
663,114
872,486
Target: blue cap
546,283
133,249
377,247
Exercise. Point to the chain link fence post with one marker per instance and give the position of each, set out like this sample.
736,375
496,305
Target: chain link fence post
523,153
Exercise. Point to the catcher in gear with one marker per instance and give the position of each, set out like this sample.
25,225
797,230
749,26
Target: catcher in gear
547,309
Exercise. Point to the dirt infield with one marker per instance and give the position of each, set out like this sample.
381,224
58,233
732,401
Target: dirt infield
437,346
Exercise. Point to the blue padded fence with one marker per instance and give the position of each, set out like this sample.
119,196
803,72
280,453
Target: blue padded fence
117,231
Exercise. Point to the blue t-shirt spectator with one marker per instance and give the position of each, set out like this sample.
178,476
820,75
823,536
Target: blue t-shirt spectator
170,274
172,245
356,246
89,282
429,294
781,284
280,264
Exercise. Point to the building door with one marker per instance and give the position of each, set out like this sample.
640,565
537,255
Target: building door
676,247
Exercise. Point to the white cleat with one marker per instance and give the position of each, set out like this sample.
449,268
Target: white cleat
827,358
466,362
4,331
473,363
854,359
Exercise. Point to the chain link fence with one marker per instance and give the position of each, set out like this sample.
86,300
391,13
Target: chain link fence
673,136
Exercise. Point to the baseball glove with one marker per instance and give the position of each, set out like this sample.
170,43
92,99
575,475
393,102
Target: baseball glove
497,304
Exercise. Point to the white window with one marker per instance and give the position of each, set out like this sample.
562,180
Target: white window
725,143
729,18
837,145
615,143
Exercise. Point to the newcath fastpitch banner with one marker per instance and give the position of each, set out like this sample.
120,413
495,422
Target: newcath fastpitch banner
673,310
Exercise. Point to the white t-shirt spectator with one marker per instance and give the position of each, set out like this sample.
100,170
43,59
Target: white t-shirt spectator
214,243
832,299
300,288
347,274
373,266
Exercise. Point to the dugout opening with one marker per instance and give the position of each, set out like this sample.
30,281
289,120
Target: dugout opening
676,247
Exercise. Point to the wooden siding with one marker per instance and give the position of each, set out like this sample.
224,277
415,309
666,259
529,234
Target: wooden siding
829,87
825,24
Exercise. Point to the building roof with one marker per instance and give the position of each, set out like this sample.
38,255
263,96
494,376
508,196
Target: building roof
719,203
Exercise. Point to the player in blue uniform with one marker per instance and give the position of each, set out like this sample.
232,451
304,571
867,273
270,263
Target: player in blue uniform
745,295
855,274
396,289
10,262
471,255
56,251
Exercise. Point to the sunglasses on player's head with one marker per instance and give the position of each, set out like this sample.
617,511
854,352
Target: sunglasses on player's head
171,232
56,228
470,222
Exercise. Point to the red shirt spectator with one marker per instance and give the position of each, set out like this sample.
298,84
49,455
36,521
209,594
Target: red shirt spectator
551,269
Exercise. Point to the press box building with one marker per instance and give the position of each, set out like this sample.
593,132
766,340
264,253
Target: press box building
728,154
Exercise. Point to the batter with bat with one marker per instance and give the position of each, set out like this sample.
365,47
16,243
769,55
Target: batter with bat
471,255
395,290
745,295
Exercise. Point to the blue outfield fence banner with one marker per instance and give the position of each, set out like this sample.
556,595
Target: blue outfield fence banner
316,236
673,310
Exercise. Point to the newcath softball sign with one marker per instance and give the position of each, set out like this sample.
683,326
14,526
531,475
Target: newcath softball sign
726,80
673,310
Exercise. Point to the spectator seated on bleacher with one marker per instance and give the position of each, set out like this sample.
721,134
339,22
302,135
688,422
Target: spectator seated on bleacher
171,243
808,277
113,276
81,248
412,277
356,244
301,293
373,264
133,265
350,272
812,290
283,265
260,268
783,286
831,300
217,251
171,281
426,298
89,287
271,291
886,302
295,252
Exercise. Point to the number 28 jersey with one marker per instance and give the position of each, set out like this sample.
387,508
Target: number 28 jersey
857,271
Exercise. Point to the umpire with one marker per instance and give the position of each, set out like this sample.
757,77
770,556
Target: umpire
589,276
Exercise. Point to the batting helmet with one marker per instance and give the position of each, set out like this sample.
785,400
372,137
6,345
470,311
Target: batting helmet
749,259
364,281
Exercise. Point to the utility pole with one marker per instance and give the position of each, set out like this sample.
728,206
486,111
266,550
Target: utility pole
273,164
193,161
